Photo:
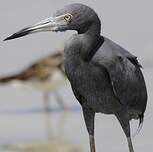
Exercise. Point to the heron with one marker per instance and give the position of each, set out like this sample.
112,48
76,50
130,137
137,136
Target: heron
47,75
105,77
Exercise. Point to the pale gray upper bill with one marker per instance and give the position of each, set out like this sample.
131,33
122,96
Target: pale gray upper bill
49,24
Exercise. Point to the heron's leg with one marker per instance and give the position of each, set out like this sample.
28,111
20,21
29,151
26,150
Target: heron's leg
124,121
59,100
89,116
47,114
130,144
92,143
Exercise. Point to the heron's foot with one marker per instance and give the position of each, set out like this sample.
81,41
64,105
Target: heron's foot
130,144
92,143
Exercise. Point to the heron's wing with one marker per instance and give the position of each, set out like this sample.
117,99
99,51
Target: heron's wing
125,75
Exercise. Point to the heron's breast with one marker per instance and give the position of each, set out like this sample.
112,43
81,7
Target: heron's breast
94,85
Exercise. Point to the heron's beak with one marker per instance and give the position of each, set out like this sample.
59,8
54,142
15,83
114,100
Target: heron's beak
50,24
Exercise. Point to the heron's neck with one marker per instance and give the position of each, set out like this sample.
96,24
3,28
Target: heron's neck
94,30
93,41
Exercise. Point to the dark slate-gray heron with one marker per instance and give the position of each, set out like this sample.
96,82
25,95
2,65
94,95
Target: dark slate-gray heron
104,77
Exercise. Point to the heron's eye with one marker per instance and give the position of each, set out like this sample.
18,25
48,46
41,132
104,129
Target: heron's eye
68,17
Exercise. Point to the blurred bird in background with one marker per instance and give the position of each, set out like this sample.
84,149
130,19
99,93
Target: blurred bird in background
46,75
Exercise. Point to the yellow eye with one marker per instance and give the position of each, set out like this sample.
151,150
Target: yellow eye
68,17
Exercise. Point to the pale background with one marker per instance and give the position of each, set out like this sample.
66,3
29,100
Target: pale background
128,23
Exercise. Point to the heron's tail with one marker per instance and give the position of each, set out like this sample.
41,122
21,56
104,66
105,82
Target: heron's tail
141,118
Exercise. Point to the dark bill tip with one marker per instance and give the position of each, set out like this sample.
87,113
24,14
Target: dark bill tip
21,33
8,38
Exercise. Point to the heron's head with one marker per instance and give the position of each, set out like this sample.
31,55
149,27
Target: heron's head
75,16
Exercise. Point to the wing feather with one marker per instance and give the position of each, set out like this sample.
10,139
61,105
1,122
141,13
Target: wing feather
125,75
